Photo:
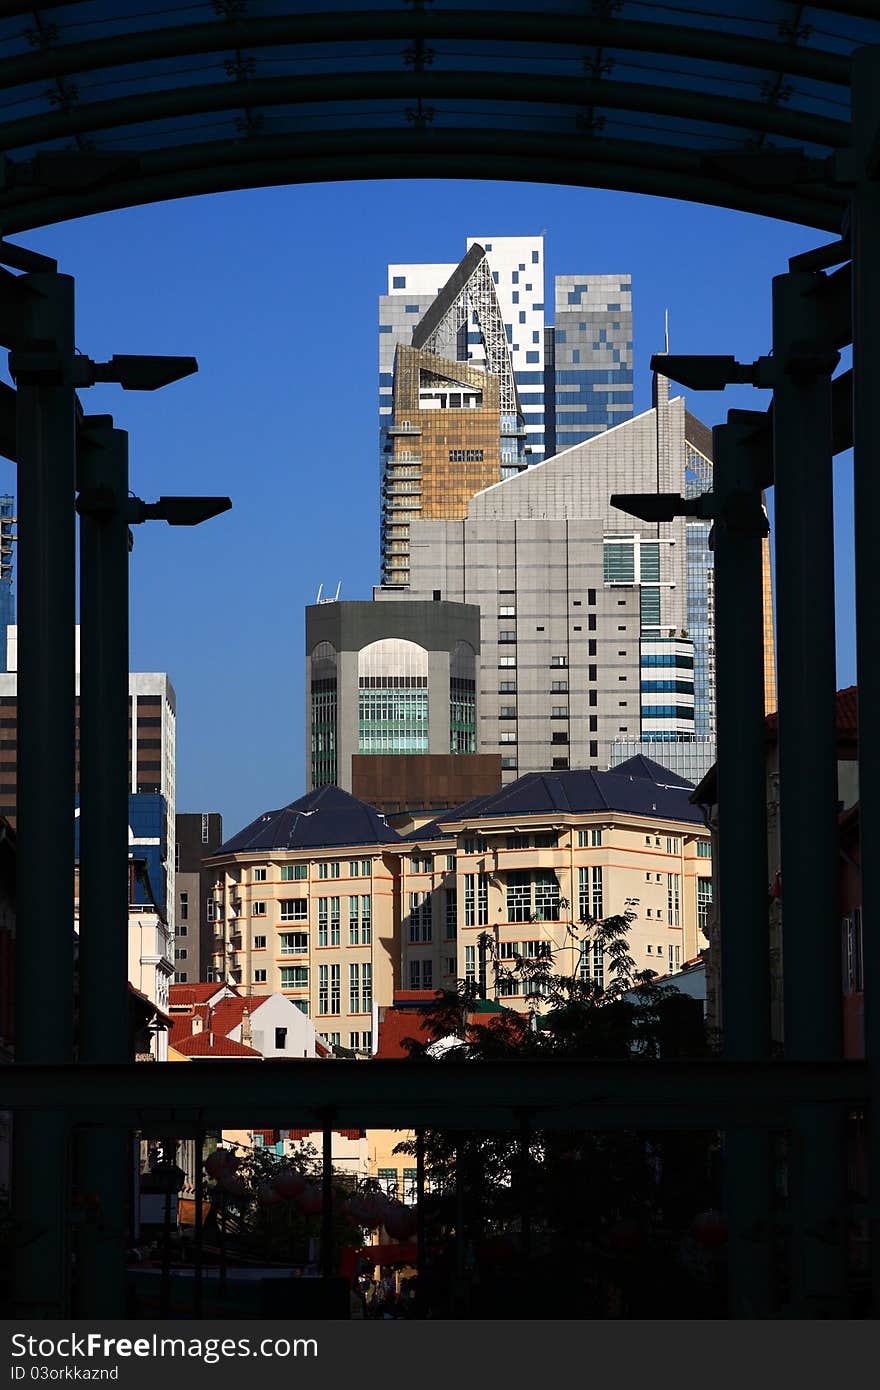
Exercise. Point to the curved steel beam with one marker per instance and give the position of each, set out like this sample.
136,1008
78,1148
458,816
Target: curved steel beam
528,88
571,31
368,154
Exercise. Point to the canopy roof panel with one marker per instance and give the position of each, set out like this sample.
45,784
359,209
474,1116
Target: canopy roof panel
740,103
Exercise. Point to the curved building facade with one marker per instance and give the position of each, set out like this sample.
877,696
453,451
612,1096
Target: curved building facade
388,679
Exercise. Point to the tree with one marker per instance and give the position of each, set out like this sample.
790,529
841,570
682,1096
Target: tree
569,1223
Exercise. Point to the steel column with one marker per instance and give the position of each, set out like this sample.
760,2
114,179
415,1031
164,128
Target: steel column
865,231
739,664
742,857
42,365
804,357
102,479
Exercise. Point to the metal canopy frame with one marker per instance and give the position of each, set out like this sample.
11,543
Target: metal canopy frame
106,106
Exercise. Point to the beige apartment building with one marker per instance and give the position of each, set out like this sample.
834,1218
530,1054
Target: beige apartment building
521,873
303,902
325,903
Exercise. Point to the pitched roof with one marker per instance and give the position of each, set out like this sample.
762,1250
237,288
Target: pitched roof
433,830
638,787
227,1013
213,1045
395,1028
186,996
322,819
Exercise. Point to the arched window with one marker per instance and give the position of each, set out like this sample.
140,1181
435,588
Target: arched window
393,697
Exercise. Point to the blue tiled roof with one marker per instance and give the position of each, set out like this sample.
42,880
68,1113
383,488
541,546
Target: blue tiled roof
638,787
433,829
321,819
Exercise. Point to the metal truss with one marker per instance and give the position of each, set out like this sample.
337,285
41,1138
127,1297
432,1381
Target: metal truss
477,297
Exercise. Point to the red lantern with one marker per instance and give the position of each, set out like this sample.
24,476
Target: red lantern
369,1209
220,1161
267,1195
310,1200
400,1222
497,1249
709,1228
625,1235
289,1183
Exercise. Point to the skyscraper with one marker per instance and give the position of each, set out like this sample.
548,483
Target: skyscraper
7,595
595,628
556,387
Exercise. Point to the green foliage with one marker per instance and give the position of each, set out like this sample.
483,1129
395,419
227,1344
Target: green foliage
564,1198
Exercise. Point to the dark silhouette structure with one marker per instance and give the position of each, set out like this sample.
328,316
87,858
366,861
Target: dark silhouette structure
555,96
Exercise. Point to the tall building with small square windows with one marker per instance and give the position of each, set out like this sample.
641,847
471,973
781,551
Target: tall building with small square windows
475,386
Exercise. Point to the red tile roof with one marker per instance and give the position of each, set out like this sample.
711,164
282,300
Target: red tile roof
414,996
343,1133
397,1025
213,1045
185,996
228,1013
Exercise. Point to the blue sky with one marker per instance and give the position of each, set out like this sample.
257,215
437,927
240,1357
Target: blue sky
275,293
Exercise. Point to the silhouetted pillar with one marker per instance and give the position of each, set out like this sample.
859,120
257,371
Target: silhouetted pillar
804,357
102,479
742,853
865,232
42,365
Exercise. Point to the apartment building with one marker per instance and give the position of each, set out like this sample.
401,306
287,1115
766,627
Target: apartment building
326,904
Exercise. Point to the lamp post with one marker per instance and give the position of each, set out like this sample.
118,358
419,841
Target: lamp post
105,511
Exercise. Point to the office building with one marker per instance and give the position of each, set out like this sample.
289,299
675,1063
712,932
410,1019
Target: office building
197,834
152,711
556,386
7,593
594,628
388,679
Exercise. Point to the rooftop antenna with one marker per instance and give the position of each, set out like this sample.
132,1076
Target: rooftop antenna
666,331
338,592
320,592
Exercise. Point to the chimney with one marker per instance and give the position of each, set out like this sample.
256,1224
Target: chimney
246,1026
198,1024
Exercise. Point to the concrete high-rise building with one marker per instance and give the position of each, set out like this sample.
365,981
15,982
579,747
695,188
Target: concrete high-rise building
152,709
7,593
594,628
197,835
485,318
388,679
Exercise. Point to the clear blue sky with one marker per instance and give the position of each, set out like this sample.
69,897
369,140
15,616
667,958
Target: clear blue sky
275,292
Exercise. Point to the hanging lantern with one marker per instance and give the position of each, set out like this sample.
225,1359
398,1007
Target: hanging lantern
310,1200
268,1195
625,1235
220,1161
232,1185
400,1222
497,1249
709,1229
289,1183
